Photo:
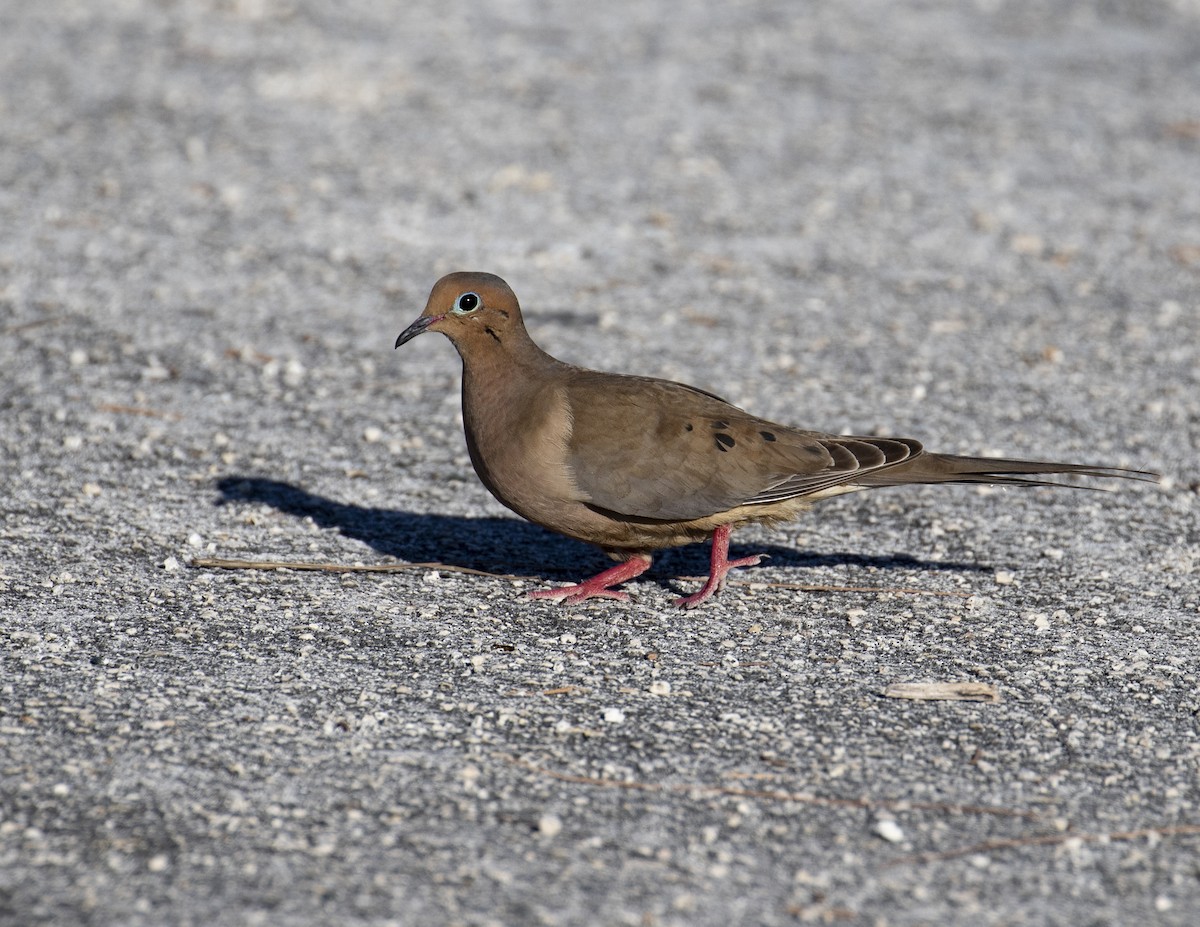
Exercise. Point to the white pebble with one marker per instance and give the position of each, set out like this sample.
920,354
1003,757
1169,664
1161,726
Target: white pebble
170,564
613,716
889,830
549,825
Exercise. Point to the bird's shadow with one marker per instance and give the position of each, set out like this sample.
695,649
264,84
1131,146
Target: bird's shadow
508,545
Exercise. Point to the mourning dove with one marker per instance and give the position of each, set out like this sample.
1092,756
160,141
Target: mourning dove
634,464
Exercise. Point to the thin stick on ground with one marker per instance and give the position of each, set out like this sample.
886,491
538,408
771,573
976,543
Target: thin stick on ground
32,323
1042,840
208,563
213,563
890,804
119,409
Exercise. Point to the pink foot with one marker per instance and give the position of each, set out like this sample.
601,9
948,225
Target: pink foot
598,586
719,567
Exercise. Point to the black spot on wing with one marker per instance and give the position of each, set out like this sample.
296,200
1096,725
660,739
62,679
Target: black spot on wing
767,435
724,441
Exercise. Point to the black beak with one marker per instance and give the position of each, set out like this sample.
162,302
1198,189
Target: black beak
422,323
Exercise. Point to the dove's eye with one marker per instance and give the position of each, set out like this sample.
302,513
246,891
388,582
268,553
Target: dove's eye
468,302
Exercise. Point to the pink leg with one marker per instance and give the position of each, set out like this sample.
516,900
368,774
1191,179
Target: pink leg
719,566
598,586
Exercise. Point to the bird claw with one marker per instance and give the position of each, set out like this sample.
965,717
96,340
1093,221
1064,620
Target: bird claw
599,586
717,573
573,595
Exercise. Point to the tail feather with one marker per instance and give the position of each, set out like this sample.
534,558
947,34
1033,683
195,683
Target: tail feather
948,468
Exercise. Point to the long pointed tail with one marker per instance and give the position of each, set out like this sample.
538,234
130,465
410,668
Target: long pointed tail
948,468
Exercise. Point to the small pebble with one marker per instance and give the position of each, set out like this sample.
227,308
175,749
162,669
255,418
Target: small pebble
889,830
549,825
1027,244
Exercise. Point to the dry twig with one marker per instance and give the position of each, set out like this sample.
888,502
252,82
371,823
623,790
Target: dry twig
118,409
1042,840
944,691
890,804
32,323
208,563
211,563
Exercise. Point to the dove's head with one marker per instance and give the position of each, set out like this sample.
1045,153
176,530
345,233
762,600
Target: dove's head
468,308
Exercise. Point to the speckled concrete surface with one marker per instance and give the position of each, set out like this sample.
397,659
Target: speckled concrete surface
975,224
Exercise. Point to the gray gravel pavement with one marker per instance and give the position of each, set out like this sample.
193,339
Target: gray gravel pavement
977,224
